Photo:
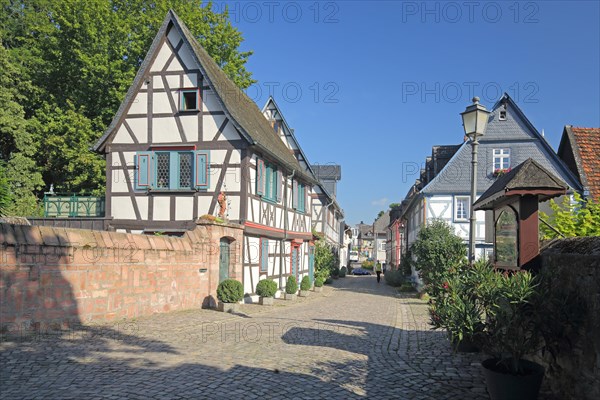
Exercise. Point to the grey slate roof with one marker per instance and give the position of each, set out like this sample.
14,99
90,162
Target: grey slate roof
515,133
382,222
243,112
529,175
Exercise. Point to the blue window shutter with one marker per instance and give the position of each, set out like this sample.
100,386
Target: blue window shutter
264,255
294,194
279,178
260,177
202,169
143,170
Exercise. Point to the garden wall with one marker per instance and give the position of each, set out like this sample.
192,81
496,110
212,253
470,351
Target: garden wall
575,263
57,276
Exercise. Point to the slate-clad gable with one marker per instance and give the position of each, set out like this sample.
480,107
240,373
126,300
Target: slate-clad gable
515,134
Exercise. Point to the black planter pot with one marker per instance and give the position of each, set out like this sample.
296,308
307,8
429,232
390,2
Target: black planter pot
503,386
466,346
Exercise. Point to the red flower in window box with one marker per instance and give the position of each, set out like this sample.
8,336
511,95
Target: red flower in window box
501,171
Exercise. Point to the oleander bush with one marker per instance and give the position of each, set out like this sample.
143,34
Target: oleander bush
230,291
266,288
291,286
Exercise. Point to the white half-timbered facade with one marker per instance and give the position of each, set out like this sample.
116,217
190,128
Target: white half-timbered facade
327,215
443,189
184,134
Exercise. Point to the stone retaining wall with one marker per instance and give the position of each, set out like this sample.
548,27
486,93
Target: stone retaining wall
64,276
575,264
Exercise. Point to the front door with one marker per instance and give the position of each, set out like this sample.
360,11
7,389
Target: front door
295,259
224,260
311,263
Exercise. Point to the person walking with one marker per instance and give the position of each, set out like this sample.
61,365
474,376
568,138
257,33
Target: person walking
378,271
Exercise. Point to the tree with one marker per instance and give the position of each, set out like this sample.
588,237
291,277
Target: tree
66,66
438,252
17,144
581,218
5,196
379,214
395,205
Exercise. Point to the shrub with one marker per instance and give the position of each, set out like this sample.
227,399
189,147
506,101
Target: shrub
407,287
319,282
394,277
343,272
230,291
266,288
305,283
406,263
368,264
324,259
439,254
335,272
329,281
291,286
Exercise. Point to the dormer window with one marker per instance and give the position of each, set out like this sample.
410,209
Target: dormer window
502,116
190,100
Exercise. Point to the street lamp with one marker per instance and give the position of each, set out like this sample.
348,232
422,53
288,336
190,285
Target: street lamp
475,119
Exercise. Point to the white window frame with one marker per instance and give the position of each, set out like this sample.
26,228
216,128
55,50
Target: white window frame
500,157
467,210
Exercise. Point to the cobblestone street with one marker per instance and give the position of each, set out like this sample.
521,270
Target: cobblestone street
356,339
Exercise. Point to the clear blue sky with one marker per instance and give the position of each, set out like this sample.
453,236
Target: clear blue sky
373,85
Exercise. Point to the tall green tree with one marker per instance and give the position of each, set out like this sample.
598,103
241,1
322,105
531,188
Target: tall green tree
75,60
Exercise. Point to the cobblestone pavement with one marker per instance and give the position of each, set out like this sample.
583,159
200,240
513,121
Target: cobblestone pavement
356,339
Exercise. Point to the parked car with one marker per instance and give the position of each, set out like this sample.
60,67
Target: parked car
361,271
354,256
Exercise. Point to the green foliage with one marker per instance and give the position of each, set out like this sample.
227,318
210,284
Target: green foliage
5,195
335,272
291,286
379,214
324,259
66,67
406,263
394,277
305,283
319,282
266,288
407,287
367,264
329,281
579,219
343,272
438,252
395,205
230,291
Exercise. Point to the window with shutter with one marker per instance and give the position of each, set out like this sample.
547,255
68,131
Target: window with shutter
260,177
143,170
172,170
295,194
202,169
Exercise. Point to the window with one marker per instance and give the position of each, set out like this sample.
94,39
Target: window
461,208
264,255
502,116
501,159
276,126
172,170
298,196
189,100
268,181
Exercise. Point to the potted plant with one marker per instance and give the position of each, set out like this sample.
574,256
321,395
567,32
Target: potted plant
511,333
335,272
291,288
343,272
305,286
266,289
230,292
319,284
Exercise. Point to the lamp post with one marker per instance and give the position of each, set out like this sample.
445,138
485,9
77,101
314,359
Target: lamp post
475,119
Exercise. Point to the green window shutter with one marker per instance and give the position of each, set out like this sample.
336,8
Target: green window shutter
264,255
278,186
301,197
295,194
143,178
260,177
202,169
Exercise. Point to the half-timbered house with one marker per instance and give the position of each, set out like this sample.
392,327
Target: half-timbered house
186,134
327,215
443,188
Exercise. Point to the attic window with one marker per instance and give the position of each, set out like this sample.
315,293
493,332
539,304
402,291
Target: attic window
502,116
189,100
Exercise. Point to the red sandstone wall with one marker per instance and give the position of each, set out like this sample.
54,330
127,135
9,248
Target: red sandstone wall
65,276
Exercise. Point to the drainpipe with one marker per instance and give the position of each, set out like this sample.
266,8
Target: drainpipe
285,224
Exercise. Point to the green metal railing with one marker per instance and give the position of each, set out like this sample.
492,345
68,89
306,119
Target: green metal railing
70,206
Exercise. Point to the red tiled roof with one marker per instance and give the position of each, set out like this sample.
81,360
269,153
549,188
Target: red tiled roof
588,142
